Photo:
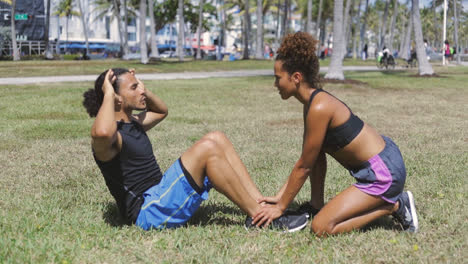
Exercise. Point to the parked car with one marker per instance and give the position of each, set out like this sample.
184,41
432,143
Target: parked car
168,54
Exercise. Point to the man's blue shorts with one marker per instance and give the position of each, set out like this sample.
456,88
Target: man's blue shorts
173,201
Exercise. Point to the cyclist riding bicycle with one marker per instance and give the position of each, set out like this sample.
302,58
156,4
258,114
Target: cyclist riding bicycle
385,59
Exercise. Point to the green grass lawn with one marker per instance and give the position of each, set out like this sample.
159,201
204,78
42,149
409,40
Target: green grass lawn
55,206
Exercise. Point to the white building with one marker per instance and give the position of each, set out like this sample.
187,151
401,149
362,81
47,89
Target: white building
105,30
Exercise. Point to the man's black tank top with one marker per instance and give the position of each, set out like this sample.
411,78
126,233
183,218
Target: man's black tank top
131,172
340,136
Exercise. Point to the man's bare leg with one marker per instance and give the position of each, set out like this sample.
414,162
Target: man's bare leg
207,158
235,161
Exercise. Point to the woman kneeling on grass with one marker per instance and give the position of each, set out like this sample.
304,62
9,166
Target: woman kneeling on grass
330,127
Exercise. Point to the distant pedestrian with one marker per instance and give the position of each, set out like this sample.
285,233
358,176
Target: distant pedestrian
447,53
322,52
364,52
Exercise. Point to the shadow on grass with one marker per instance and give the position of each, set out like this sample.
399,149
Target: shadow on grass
112,216
229,214
385,222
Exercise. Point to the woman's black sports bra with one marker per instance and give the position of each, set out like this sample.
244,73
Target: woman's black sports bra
340,136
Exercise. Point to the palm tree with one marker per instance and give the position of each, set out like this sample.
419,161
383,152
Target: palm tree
245,35
14,46
143,46
393,24
405,52
180,39
125,30
344,43
358,25
335,70
154,48
383,30
403,24
48,52
199,29
317,24
363,27
259,50
309,17
285,24
85,27
65,9
424,67
103,8
455,16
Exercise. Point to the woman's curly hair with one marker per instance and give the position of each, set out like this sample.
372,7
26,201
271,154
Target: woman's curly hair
298,54
93,97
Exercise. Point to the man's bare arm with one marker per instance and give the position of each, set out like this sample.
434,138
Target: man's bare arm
104,130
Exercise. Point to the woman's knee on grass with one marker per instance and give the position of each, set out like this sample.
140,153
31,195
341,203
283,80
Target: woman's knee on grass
322,226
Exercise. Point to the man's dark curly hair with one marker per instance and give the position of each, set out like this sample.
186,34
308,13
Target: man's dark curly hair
298,54
93,97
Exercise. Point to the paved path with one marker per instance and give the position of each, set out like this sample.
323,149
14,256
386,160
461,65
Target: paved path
164,76
169,76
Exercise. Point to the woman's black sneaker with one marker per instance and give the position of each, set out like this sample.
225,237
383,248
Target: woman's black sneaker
406,213
287,222
305,208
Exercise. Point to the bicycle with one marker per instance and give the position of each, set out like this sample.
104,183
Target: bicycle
386,62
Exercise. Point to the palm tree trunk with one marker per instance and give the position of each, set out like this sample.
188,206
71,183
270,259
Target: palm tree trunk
424,67
57,45
85,28
126,51
245,54
223,24
335,70
455,16
66,42
278,16
48,52
406,47
344,43
358,26
119,24
393,24
180,37
143,46
154,48
259,48
402,34
309,17
436,33
199,29
319,20
14,46
363,27
285,25
383,30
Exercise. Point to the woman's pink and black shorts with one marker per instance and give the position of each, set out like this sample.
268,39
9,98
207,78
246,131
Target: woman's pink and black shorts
383,175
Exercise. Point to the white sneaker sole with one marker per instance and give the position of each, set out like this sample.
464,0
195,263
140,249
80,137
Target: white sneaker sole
297,228
413,211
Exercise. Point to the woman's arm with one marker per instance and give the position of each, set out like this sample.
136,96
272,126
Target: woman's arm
317,122
317,181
